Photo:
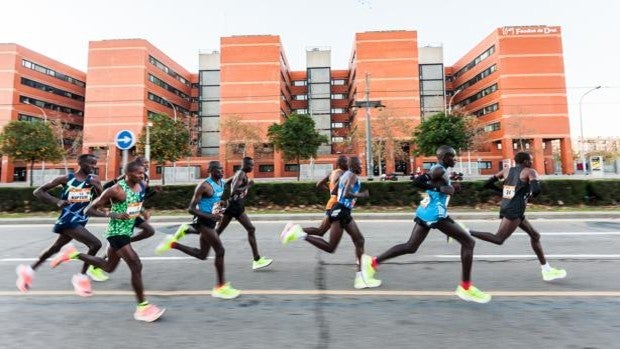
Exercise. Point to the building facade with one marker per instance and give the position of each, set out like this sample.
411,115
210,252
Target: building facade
512,83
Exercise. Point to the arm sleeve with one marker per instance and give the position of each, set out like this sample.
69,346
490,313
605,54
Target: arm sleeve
490,184
535,188
422,182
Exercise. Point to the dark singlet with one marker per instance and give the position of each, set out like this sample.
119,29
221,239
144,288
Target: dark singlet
514,194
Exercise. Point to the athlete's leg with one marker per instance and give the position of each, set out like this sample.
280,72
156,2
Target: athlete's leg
358,240
251,229
335,234
506,228
418,234
534,240
320,230
82,235
223,224
146,232
209,238
129,255
455,231
107,264
61,240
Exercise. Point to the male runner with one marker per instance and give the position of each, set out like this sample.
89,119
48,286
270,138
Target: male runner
77,193
433,213
125,198
519,183
340,218
206,208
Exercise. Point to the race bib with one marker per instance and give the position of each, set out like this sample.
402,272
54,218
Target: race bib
426,199
508,192
133,209
76,195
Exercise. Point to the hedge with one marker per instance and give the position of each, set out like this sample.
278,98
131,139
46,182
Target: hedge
387,194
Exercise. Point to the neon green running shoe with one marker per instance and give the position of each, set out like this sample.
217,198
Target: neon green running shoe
360,282
472,295
368,271
97,274
165,245
293,233
225,292
553,273
261,263
180,233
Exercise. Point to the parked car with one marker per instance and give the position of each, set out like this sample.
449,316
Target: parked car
389,177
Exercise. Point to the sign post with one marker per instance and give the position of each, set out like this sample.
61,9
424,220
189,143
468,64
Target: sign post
124,141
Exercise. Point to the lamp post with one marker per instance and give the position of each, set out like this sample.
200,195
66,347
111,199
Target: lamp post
369,104
174,163
147,146
451,99
581,147
45,120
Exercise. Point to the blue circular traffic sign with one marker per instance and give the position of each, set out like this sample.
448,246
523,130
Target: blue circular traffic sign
124,140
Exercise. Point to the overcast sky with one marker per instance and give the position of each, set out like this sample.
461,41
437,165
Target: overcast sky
61,29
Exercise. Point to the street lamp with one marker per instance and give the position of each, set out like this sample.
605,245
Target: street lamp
581,150
45,119
451,99
147,146
369,104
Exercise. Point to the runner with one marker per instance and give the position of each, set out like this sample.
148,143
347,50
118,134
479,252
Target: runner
126,199
96,274
331,184
340,218
77,192
433,213
206,208
519,183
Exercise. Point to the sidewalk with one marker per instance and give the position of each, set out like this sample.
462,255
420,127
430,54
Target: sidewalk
458,215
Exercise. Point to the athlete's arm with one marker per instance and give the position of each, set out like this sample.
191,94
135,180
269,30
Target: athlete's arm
97,187
202,189
112,194
42,194
348,188
322,184
109,184
534,182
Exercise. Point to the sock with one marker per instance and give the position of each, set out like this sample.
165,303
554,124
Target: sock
374,263
465,284
173,244
143,305
74,255
545,267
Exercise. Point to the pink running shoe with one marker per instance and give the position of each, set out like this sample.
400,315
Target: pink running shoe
25,275
81,285
64,255
148,313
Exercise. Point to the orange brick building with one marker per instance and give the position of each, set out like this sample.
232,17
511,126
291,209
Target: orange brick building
512,82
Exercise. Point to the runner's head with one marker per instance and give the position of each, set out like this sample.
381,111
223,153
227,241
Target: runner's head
342,162
87,163
134,172
248,164
215,170
143,161
446,155
355,165
524,159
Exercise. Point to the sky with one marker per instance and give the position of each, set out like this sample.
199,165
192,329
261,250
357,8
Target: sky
61,30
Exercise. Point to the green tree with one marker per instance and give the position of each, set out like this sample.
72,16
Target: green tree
30,141
296,138
240,135
441,129
169,140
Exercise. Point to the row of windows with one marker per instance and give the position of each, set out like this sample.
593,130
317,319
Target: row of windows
157,81
54,90
167,70
484,55
486,110
478,77
51,106
478,95
51,72
334,82
155,98
492,127
30,118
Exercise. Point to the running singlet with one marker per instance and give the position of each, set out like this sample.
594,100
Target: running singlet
514,194
206,204
132,206
434,204
344,201
78,194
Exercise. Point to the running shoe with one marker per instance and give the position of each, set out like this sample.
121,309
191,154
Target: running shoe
472,295
261,263
553,273
368,271
25,275
97,274
287,227
165,245
360,282
225,292
148,313
295,232
180,233
81,285
64,255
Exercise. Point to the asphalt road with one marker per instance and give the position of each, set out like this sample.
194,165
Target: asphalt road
306,298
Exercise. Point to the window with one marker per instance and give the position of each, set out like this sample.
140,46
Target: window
291,168
265,168
319,75
299,83
484,165
492,127
338,82
431,72
337,124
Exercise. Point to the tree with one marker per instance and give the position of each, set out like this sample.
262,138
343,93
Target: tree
169,140
30,141
388,133
296,138
240,135
441,129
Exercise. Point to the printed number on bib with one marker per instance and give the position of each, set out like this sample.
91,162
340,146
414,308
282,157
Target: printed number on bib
78,195
426,199
133,209
509,192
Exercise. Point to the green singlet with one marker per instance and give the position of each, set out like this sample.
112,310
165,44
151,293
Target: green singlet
132,206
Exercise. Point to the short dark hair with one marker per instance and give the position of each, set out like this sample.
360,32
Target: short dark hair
85,157
522,157
214,165
133,165
140,159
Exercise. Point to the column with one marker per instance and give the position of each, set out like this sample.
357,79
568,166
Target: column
539,155
7,170
566,155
